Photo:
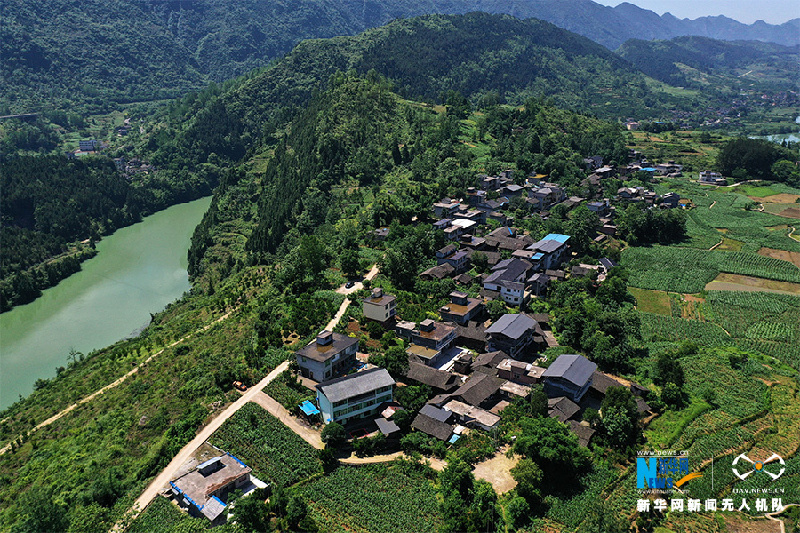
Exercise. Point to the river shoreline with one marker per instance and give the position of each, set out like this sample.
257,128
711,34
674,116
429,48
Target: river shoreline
137,271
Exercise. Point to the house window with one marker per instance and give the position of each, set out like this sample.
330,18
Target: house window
327,374
328,362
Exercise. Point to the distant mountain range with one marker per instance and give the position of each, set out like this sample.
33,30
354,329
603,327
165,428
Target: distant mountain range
768,62
266,28
56,53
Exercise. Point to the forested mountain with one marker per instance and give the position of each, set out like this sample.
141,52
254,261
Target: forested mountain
473,54
58,53
488,58
750,60
358,133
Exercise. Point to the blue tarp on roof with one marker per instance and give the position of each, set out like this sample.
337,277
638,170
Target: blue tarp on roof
649,169
556,237
309,408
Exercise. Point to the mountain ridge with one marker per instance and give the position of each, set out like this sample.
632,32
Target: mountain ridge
129,50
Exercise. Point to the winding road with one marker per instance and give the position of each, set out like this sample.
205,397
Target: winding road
346,303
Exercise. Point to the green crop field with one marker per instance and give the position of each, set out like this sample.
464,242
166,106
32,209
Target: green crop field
721,212
659,328
274,451
751,409
688,271
759,321
656,302
163,515
378,498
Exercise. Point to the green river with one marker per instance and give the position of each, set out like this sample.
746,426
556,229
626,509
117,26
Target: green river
138,270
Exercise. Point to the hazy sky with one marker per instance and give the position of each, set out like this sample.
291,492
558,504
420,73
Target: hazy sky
747,11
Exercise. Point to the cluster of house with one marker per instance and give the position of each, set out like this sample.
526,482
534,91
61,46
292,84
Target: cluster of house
459,217
527,272
123,130
470,390
669,200
133,166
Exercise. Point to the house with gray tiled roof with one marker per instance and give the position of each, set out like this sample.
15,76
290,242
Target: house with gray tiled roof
329,355
355,396
570,375
508,279
512,334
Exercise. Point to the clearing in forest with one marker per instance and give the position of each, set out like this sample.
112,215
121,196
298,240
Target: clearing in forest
497,471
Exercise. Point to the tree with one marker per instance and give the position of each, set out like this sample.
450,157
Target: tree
553,447
529,478
786,171
668,370
395,360
412,397
480,261
496,309
328,458
375,330
582,227
457,478
755,157
672,395
517,512
297,515
535,405
39,512
333,435
251,513
620,417
350,263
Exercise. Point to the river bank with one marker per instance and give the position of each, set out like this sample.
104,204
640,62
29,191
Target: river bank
138,270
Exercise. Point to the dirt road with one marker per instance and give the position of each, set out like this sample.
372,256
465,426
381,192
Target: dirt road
158,484
280,412
346,303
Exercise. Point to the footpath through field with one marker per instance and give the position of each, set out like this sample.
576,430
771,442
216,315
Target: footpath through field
115,383
187,451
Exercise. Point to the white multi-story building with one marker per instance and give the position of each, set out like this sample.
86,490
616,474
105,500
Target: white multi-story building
355,396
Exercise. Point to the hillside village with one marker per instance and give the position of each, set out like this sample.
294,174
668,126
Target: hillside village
457,273
470,366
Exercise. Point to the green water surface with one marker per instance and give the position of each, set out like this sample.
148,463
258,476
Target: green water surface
138,270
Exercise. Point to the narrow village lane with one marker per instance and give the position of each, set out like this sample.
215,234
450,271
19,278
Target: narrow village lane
346,303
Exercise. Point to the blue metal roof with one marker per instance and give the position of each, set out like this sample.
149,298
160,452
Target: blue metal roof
309,408
556,237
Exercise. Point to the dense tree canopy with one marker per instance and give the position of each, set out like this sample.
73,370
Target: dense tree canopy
754,159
